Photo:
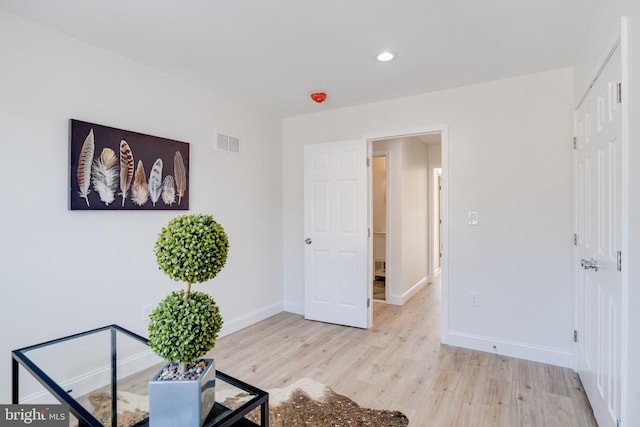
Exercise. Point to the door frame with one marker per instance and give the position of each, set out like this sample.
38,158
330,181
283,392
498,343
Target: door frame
437,215
443,129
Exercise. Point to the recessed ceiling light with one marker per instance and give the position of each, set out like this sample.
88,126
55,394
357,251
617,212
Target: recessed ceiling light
385,56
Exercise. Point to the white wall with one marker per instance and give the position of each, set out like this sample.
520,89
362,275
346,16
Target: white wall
605,29
415,218
64,272
510,160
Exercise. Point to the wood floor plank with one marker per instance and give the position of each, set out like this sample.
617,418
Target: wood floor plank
401,364
559,410
581,405
555,381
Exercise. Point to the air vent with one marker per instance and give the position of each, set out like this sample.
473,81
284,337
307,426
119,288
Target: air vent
227,143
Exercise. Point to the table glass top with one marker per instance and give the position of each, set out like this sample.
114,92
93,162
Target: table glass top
86,370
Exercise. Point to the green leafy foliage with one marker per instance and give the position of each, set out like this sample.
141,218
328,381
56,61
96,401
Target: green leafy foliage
184,330
184,326
192,248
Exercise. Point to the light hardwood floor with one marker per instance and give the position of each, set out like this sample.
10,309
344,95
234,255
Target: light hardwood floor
400,364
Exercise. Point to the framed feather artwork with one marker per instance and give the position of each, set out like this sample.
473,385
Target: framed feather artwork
114,169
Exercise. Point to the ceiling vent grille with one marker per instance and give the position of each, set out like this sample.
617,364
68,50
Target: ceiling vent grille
227,143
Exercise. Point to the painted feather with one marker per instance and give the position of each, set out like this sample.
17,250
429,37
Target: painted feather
168,190
140,189
83,174
155,181
105,175
180,175
126,169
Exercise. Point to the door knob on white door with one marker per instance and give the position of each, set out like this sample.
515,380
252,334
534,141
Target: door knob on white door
307,241
589,264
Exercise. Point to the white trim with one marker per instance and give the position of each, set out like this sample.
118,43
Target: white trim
406,296
405,132
293,307
549,355
97,378
241,322
434,201
370,262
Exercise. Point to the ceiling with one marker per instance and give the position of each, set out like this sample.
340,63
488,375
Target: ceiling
274,53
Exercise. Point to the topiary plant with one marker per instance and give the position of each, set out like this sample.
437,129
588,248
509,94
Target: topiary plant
184,326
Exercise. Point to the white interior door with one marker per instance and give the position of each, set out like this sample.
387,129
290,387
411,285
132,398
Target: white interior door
336,230
598,221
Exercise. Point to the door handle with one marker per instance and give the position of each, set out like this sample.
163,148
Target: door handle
589,264
307,241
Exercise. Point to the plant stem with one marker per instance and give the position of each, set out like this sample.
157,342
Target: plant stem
183,365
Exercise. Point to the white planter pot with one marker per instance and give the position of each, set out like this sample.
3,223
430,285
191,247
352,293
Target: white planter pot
184,403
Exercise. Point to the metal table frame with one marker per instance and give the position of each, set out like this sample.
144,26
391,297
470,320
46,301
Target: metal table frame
225,417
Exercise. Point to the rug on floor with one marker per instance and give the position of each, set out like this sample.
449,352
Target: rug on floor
132,408
309,403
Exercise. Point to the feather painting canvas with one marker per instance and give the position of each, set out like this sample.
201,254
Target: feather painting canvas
115,169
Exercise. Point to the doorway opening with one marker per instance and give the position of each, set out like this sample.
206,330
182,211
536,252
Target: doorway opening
406,212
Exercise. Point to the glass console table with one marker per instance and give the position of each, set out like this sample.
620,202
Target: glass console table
86,370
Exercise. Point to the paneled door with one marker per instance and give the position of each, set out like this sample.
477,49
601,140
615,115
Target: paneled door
336,233
598,237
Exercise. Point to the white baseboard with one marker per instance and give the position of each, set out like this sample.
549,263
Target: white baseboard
294,307
406,296
97,378
551,356
234,325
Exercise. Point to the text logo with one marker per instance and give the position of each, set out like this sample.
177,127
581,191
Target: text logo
34,415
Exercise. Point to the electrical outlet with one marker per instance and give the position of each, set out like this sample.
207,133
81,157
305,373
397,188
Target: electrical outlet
146,311
475,299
